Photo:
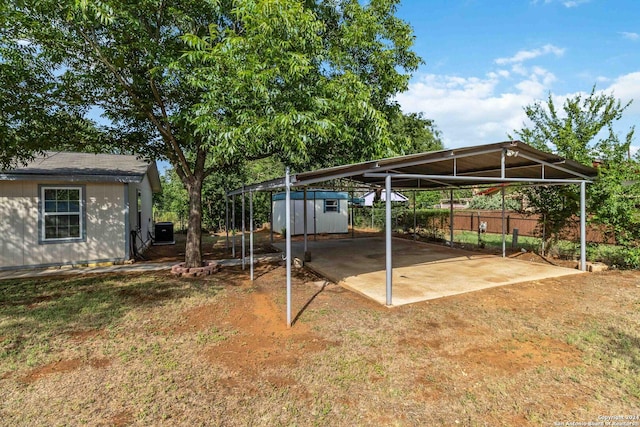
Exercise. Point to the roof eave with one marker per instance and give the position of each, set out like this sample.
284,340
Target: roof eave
71,178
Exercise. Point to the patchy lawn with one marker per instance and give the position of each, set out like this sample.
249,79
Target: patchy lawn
152,349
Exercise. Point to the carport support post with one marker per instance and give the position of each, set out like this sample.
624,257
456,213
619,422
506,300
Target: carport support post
243,230
451,217
372,213
304,214
287,219
233,226
226,223
389,267
583,227
353,221
415,221
251,233
504,241
271,216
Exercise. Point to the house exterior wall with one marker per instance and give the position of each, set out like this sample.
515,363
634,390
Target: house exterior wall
325,222
20,237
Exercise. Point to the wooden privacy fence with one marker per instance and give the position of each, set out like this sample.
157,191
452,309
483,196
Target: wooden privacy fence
436,223
527,225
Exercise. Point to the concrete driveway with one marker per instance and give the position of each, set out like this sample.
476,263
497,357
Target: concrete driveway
421,271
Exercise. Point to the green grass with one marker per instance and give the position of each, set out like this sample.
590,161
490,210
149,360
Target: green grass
185,352
616,348
35,313
596,252
495,240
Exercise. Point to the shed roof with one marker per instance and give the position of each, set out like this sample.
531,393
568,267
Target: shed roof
509,161
87,167
313,194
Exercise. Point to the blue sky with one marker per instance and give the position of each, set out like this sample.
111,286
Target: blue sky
485,60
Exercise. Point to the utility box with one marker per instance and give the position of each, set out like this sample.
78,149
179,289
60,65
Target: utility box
164,234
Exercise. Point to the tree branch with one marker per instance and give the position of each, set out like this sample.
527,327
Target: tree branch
165,132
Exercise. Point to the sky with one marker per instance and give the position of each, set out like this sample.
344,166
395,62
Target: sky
485,60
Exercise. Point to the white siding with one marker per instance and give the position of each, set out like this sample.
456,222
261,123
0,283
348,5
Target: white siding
325,222
19,234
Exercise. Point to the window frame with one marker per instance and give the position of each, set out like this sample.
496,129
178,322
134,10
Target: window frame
42,214
333,208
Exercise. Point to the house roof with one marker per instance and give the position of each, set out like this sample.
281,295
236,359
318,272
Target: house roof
502,162
86,167
395,197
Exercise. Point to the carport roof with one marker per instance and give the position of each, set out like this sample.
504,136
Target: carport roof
510,161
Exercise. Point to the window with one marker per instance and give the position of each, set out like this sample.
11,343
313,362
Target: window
61,212
331,205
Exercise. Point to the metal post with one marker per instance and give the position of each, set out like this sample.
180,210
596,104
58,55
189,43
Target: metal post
251,233
388,264
226,223
233,226
287,218
315,210
451,216
304,214
243,230
415,220
372,203
504,239
583,227
271,215
544,233
353,222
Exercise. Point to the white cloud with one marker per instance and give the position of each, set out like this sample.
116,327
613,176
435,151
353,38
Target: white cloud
471,110
574,3
565,3
478,110
630,36
525,55
627,88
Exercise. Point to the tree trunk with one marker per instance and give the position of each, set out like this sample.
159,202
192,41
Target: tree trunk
193,249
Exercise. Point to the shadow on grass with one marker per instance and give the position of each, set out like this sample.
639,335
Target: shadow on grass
31,310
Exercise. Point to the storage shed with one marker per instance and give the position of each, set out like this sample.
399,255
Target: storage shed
327,212
76,208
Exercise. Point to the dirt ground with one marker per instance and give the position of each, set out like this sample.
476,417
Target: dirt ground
216,351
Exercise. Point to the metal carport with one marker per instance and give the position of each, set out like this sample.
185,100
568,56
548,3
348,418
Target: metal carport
500,163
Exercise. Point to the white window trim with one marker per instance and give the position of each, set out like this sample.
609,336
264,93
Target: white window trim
336,206
42,214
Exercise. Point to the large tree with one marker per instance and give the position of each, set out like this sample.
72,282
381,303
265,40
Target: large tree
206,84
584,131
413,133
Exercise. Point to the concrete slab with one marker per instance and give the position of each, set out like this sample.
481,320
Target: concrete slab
421,271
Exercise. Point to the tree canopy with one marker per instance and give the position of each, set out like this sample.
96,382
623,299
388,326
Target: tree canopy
204,84
584,131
